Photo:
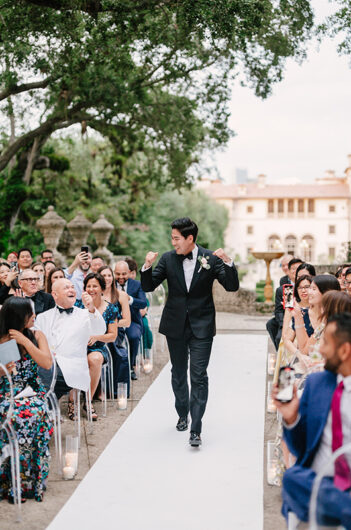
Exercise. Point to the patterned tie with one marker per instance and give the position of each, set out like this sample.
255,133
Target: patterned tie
342,477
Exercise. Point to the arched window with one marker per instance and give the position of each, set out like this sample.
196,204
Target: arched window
274,243
290,244
307,247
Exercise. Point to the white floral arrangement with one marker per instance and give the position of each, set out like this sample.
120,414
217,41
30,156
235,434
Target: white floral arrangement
204,264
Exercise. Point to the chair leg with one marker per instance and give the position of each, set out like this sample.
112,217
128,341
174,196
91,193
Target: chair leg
76,401
15,470
104,389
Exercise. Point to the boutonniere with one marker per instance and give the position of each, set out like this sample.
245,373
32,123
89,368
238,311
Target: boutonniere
204,264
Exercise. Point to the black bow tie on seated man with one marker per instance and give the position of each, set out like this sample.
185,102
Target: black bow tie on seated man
68,310
186,256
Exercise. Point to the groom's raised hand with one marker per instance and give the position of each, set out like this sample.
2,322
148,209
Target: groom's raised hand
222,255
150,259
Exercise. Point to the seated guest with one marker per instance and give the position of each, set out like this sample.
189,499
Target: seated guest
38,267
7,277
303,269
78,270
133,267
118,352
284,262
28,281
96,263
137,301
94,285
47,255
317,426
340,278
301,290
274,326
12,257
30,418
344,268
348,280
55,274
320,285
24,259
68,330
48,266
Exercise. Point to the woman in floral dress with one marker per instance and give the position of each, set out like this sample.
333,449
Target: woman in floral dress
30,417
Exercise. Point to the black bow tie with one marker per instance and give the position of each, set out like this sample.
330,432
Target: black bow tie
63,310
186,256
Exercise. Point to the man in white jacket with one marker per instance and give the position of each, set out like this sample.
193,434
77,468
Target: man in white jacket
67,329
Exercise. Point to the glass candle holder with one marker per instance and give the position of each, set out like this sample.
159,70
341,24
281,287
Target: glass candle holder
271,360
122,396
148,361
272,463
71,457
271,408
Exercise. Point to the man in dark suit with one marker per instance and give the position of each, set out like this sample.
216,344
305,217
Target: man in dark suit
188,319
137,301
28,280
317,426
274,326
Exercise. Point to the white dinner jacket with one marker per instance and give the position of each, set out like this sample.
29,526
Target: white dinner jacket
68,336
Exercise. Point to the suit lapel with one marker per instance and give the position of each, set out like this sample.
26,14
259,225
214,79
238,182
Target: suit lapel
320,416
198,272
178,267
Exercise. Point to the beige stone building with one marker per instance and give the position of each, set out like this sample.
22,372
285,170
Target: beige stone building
312,221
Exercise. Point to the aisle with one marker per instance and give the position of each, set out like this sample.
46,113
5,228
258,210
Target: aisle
149,478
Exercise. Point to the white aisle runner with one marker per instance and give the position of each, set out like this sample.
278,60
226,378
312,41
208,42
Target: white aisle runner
149,478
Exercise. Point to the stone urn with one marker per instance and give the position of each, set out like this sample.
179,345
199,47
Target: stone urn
268,256
102,230
79,229
51,226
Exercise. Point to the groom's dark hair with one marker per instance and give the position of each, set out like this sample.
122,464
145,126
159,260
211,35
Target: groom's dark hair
186,227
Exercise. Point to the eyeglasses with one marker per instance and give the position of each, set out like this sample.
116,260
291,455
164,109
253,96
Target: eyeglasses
29,280
303,288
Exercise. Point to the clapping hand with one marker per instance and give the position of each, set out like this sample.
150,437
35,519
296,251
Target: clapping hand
222,255
88,302
150,258
19,293
289,410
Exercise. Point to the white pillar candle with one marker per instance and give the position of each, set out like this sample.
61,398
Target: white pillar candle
68,473
71,460
147,366
122,403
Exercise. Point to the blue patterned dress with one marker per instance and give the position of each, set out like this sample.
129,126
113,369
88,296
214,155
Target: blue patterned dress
34,430
110,314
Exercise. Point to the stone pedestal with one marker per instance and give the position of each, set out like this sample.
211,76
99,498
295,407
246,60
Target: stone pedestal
51,226
102,230
79,229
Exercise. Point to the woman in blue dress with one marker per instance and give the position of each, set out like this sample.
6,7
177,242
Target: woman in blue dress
94,284
30,417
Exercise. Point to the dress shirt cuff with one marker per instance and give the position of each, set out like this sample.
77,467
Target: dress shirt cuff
145,268
229,264
292,425
131,299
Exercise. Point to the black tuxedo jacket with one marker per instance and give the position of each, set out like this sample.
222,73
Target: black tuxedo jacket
197,304
284,279
42,302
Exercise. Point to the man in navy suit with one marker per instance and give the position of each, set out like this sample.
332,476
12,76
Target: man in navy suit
137,301
312,433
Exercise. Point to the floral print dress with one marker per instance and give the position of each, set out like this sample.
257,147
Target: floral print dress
33,427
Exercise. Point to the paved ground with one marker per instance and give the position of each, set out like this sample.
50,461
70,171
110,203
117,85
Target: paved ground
37,516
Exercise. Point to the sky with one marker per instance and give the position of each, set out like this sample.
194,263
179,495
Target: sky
302,129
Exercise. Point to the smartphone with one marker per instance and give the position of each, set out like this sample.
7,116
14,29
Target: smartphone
288,296
286,381
84,248
14,266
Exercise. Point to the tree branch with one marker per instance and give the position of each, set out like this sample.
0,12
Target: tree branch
17,89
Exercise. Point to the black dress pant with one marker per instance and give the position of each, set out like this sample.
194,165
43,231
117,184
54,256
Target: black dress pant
199,351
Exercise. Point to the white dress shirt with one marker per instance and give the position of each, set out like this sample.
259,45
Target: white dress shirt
68,336
119,288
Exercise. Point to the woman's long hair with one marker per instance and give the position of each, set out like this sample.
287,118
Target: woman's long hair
48,279
114,290
333,303
326,282
15,314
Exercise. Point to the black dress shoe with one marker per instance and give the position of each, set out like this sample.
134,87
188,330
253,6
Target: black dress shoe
195,439
182,424
133,376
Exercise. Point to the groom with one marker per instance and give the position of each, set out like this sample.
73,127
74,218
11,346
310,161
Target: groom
188,319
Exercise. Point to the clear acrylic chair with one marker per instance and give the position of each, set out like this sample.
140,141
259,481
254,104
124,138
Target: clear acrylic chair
107,375
344,451
77,415
11,449
54,411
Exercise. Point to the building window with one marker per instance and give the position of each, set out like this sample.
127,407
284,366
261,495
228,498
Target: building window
274,243
290,244
331,229
249,229
291,206
331,252
280,205
300,205
249,209
332,208
307,248
248,251
310,206
270,206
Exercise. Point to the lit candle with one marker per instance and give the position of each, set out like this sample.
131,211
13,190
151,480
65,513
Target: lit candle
71,460
271,473
147,366
122,403
270,405
271,363
68,473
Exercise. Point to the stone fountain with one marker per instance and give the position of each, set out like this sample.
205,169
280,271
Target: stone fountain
268,256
